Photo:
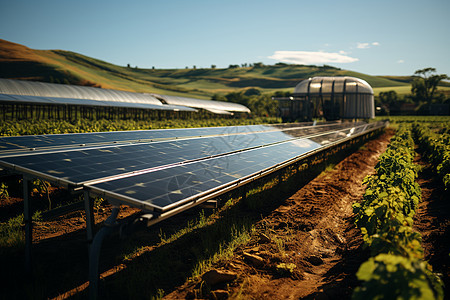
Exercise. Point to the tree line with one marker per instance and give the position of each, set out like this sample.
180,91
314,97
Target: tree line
424,93
260,104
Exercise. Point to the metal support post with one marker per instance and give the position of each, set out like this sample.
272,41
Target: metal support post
27,218
94,253
90,220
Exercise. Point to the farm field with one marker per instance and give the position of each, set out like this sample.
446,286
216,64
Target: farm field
294,239
402,90
21,62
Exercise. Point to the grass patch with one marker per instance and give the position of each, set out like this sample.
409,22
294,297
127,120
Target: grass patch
12,236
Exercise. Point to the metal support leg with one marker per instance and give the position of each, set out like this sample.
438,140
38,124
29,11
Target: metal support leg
27,218
90,221
94,253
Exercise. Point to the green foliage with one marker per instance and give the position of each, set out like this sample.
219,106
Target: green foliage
388,276
286,269
28,127
98,202
385,218
424,85
260,104
43,188
391,196
413,119
11,232
4,191
436,148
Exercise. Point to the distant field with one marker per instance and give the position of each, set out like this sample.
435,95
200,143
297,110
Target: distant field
403,90
20,62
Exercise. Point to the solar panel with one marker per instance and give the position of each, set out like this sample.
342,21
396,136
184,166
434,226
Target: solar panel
163,188
21,145
152,169
164,174
77,166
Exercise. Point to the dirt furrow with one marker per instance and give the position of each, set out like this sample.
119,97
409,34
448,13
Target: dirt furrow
313,231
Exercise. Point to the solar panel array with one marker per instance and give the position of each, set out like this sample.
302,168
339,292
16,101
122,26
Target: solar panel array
158,170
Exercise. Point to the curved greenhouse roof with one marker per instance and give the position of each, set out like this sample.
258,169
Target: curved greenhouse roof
42,89
217,107
332,85
29,92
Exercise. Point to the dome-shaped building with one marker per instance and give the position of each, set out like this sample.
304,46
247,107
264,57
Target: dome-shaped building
332,98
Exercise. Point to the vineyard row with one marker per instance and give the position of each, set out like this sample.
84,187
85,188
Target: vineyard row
396,269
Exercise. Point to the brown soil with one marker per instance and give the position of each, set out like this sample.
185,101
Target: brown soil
312,229
432,220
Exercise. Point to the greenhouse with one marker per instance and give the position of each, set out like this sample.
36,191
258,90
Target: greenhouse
216,107
331,98
27,99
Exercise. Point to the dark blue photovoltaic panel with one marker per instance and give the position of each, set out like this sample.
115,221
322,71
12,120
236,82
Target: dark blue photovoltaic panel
101,163
168,172
164,187
20,145
79,166
85,139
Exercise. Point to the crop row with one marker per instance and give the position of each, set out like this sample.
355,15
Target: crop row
30,126
396,269
435,145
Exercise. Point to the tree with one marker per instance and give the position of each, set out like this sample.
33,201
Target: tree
279,94
389,98
219,97
252,92
425,84
213,66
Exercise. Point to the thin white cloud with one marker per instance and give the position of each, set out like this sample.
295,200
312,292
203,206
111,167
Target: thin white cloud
400,61
366,45
362,45
311,57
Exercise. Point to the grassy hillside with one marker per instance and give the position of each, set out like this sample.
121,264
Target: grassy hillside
20,62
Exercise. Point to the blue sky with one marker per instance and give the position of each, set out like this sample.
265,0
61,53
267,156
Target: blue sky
374,37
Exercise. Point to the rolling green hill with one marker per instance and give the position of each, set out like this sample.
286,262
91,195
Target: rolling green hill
20,62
